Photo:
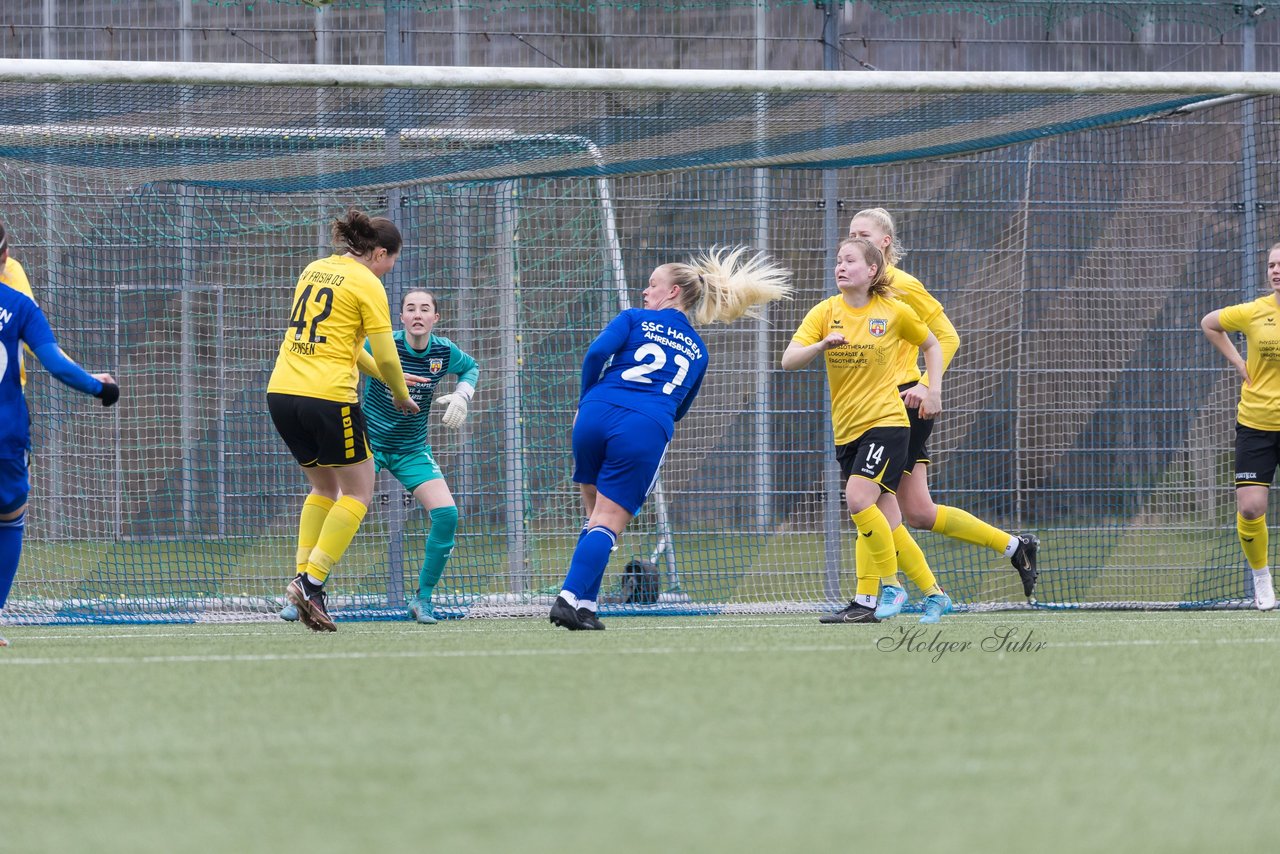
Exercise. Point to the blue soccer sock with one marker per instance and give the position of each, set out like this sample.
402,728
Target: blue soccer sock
593,594
589,561
10,550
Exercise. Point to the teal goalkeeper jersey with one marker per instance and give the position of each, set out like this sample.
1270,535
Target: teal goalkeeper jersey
391,432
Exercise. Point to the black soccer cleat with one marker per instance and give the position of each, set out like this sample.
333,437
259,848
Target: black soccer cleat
313,609
1024,560
589,620
563,615
851,613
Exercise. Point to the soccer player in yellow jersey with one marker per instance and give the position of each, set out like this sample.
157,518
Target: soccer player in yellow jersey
338,303
859,332
12,274
918,508
1257,417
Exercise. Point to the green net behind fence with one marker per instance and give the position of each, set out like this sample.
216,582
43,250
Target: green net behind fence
163,228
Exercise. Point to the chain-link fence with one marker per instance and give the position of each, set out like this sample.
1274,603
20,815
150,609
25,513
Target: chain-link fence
969,35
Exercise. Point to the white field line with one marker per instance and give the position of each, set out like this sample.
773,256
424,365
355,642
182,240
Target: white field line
519,625
424,653
868,647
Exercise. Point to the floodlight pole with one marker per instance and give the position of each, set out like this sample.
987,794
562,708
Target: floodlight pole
762,456
1250,246
397,511
832,509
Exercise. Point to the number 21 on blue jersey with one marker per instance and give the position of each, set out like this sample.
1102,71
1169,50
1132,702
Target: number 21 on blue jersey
649,358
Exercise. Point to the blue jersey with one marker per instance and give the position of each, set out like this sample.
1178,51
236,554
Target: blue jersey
20,321
648,361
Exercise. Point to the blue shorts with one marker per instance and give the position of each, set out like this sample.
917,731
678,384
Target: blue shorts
619,452
14,484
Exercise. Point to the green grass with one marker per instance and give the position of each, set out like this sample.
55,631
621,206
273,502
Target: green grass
1126,731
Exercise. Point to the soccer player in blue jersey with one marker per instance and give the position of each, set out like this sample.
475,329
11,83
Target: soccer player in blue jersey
399,441
639,377
22,322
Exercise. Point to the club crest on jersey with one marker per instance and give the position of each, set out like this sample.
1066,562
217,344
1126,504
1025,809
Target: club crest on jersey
436,365
877,326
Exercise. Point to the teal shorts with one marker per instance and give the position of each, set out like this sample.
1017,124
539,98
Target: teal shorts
412,469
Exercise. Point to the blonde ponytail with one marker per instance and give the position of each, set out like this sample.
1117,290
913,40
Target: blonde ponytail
722,285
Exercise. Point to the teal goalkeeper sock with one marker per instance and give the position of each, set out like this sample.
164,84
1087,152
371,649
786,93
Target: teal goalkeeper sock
444,522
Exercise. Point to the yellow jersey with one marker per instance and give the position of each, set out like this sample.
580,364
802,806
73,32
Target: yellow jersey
15,277
337,303
864,372
1260,322
910,290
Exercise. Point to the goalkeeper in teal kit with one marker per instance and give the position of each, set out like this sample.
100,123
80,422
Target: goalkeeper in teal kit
400,441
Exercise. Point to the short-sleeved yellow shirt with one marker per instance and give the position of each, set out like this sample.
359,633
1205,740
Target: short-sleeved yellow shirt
1260,322
337,303
15,277
864,372
911,290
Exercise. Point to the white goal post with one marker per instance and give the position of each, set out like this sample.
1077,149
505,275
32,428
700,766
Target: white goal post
653,80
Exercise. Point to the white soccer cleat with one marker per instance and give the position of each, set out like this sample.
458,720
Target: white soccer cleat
1264,593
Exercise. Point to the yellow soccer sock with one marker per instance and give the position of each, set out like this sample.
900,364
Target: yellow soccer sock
1253,539
314,511
912,562
861,557
959,525
339,529
875,559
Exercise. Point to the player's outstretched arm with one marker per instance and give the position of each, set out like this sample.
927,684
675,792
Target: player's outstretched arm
367,366
798,355
56,362
388,361
610,340
948,339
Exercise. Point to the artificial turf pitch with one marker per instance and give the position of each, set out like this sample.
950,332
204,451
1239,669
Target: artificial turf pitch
1088,731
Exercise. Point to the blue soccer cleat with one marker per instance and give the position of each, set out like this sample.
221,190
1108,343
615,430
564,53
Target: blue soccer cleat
289,612
935,606
420,611
892,598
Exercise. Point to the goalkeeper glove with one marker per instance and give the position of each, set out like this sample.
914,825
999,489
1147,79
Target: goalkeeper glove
456,402
110,394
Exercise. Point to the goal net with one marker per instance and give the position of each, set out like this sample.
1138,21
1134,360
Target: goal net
163,213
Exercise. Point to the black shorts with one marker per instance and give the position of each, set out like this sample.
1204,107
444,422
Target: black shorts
921,429
320,432
877,455
1257,452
